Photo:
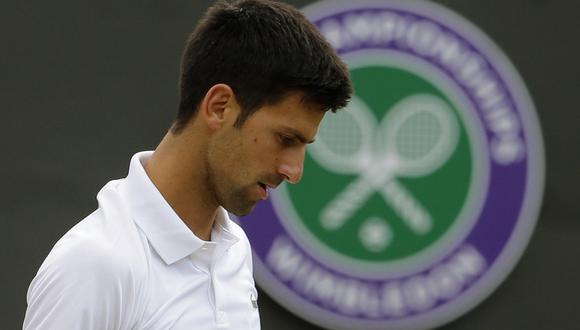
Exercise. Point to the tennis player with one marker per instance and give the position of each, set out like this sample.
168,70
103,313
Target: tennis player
160,251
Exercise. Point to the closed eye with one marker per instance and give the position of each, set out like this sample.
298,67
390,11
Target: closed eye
287,141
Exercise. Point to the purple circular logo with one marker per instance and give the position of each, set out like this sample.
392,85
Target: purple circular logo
418,198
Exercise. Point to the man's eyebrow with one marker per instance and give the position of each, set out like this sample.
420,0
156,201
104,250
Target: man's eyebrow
298,135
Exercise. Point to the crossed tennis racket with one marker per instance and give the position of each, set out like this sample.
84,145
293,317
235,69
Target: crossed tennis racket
415,138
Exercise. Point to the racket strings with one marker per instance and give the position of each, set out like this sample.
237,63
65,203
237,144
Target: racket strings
342,136
418,136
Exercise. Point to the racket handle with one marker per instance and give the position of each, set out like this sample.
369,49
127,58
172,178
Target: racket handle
407,207
345,204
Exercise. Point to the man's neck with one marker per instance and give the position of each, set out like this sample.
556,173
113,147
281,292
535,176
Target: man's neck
180,178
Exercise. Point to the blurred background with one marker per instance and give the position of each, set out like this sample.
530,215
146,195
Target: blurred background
84,85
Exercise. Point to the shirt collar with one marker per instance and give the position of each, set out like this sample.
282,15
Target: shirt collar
166,232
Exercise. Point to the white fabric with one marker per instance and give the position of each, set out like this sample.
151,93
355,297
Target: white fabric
133,264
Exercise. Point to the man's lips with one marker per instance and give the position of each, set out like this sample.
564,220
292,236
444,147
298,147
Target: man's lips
264,189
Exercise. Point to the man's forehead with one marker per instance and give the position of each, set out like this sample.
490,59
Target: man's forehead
294,104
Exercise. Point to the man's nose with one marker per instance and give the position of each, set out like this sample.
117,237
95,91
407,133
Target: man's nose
293,167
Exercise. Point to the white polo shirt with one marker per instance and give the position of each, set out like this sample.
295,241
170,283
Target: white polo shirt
133,264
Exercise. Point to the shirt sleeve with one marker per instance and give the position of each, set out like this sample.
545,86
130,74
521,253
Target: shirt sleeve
85,286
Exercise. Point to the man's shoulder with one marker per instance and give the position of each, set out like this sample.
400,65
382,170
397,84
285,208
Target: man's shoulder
107,240
98,246
94,275
83,255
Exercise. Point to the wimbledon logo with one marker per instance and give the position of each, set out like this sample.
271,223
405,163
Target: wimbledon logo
420,196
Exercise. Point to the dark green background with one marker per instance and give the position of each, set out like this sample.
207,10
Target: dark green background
84,85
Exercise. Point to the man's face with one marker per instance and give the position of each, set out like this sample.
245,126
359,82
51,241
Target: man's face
243,163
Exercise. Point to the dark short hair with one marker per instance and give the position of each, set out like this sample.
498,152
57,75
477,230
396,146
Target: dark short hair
263,50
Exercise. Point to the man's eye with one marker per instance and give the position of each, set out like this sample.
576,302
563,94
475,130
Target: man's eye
286,140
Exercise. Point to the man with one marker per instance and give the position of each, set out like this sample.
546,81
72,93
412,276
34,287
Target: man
160,251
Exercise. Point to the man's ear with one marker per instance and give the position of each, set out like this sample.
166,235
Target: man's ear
219,106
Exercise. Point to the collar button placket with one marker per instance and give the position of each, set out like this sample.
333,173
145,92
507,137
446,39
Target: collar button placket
221,316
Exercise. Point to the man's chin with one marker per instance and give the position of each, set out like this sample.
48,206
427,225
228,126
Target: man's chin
240,210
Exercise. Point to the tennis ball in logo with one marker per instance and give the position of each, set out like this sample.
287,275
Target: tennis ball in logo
427,190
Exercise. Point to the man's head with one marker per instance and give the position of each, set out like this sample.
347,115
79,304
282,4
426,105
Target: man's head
263,50
258,77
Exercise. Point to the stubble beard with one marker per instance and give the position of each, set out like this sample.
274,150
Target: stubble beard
233,198
239,203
